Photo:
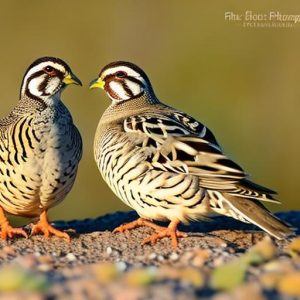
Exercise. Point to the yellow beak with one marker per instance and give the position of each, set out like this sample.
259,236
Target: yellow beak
72,79
97,83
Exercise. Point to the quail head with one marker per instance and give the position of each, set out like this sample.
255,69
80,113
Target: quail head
40,148
168,166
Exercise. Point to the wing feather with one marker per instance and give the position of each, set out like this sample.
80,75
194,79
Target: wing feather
179,144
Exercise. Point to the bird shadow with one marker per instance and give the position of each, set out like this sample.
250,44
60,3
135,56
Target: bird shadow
111,221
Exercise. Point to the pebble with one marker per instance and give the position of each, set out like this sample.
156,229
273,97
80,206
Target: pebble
44,268
160,258
174,256
152,256
71,257
121,266
109,250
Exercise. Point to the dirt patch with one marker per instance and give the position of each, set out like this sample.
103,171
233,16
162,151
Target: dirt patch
98,264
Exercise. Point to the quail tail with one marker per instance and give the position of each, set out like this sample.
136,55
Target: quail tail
253,211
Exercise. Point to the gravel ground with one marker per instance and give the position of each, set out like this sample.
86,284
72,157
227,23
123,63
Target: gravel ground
213,262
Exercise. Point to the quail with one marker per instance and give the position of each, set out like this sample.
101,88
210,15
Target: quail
40,148
168,166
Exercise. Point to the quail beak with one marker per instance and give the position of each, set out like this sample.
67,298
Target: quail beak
72,79
97,83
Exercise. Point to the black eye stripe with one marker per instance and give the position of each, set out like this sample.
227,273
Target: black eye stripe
42,72
110,77
133,79
34,75
127,90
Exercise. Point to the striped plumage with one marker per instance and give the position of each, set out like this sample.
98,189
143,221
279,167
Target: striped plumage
166,165
40,147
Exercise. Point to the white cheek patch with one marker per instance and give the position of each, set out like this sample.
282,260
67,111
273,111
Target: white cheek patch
34,84
52,85
118,89
135,88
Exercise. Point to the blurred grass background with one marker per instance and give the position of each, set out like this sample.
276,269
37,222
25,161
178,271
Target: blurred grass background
241,82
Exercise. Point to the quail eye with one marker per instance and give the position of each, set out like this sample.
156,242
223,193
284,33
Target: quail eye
120,74
49,69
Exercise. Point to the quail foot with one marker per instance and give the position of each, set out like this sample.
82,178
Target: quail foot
166,165
40,148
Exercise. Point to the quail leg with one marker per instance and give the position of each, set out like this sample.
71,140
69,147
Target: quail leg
137,223
7,230
171,231
44,227
161,232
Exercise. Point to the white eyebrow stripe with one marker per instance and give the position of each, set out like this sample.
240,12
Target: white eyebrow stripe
125,69
134,87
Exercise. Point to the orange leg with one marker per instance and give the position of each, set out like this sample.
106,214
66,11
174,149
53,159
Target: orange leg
171,231
44,227
137,223
7,230
161,232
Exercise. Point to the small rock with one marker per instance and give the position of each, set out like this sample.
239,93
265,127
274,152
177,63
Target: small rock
71,257
121,266
44,268
160,258
174,256
152,256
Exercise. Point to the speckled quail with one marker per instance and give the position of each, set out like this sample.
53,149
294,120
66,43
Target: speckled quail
40,148
168,166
